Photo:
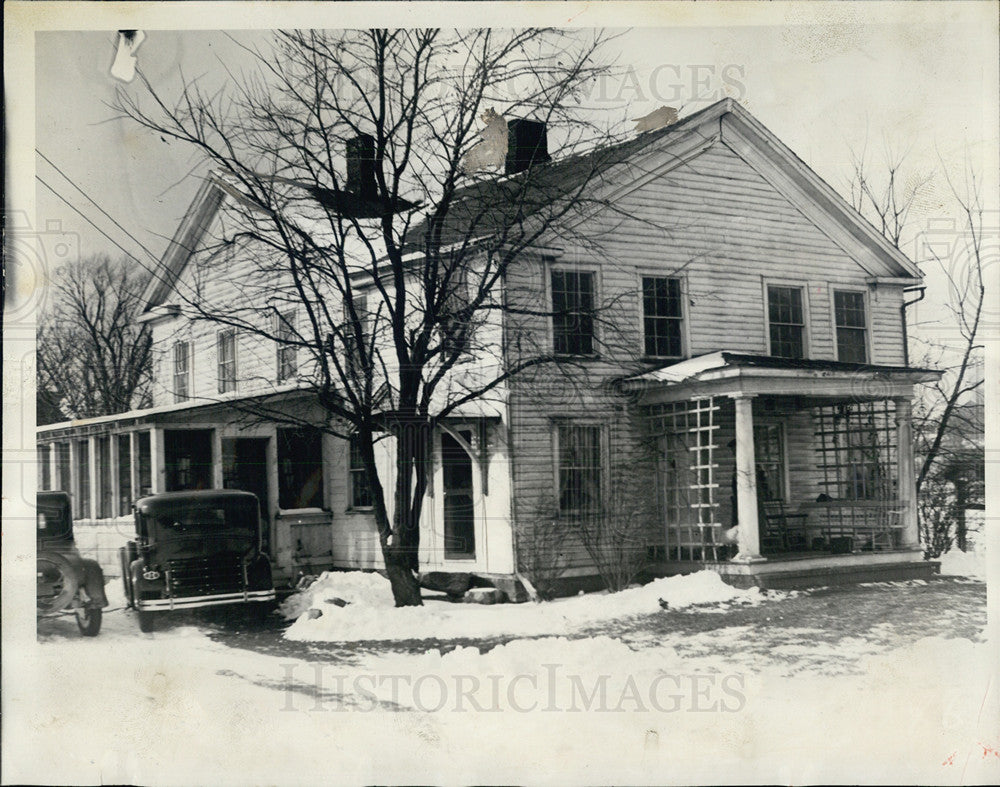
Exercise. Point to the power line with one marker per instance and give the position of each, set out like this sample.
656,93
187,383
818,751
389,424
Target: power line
92,224
94,203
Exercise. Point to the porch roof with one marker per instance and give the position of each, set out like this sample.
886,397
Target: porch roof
163,413
727,373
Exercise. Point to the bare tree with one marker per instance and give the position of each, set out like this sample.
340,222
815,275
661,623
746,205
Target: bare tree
93,357
947,428
389,277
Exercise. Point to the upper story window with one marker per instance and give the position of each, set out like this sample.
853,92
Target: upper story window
226,349
350,334
573,312
361,496
182,371
786,321
580,466
852,326
661,317
284,333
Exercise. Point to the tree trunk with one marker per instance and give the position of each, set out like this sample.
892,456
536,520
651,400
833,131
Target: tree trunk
400,550
961,501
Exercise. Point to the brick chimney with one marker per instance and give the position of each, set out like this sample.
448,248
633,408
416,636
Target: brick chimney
361,166
526,145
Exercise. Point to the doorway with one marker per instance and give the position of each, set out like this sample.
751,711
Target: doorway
244,466
459,513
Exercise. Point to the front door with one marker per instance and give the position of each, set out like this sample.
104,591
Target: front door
244,466
459,514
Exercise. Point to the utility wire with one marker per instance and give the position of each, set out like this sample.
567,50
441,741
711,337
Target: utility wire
92,202
92,224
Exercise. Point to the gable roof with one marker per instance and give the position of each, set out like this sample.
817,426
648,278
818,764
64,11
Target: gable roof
489,204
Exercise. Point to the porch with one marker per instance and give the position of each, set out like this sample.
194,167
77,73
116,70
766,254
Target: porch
777,472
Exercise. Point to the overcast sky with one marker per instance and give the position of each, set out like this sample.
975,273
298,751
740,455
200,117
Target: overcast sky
826,78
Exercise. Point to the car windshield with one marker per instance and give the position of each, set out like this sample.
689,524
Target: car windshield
204,518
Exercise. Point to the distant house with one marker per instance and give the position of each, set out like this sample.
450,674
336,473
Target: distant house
758,336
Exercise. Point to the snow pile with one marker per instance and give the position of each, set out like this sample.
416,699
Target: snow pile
370,614
355,587
963,564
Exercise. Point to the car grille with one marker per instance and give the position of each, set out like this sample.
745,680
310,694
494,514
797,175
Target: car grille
205,576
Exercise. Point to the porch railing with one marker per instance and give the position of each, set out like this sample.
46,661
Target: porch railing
854,525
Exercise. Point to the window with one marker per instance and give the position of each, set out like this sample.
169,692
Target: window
182,371
145,465
285,334
124,474
350,338
661,316
63,468
83,477
103,492
361,496
300,468
44,468
769,456
579,450
226,344
573,312
786,321
852,339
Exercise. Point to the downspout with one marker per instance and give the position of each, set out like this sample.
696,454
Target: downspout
902,315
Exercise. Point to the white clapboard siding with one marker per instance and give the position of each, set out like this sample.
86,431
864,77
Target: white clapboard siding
725,230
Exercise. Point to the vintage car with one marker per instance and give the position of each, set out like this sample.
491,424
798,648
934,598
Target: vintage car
65,580
196,549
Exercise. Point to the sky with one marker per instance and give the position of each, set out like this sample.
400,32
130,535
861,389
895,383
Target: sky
827,78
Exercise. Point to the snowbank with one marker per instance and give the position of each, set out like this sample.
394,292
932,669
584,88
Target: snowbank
370,614
964,564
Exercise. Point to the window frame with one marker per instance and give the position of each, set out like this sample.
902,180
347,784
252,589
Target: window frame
186,374
285,321
360,300
803,288
762,423
602,459
652,273
282,471
863,291
223,384
352,504
553,266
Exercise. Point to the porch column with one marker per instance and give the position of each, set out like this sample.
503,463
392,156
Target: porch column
217,482
746,481
158,476
906,471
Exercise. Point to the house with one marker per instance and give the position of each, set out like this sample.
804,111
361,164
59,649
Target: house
747,383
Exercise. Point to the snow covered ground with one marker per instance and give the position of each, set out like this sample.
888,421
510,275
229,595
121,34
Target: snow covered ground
441,620
180,707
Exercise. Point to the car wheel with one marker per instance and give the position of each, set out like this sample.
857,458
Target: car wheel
57,582
89,620
147,623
